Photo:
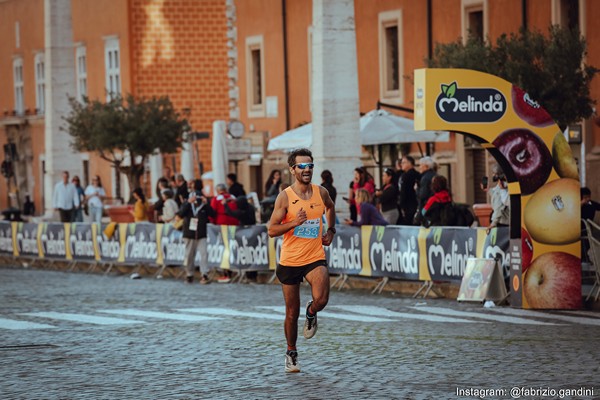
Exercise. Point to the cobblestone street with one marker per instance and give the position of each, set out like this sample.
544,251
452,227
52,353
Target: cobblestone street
85,336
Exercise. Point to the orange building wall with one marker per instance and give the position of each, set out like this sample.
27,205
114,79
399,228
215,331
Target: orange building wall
180,50
264,17
94,20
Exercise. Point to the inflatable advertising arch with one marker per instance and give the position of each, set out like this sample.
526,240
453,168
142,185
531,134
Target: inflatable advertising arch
543,179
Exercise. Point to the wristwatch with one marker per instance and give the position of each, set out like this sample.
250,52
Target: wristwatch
332,229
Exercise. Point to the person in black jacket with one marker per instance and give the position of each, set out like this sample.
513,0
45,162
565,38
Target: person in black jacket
388,196
245,212
195,213
407,196
425,192
234,187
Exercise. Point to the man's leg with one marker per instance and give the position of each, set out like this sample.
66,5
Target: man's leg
291,295
318,279
191,246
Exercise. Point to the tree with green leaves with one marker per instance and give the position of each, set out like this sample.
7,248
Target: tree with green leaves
550,68
126,131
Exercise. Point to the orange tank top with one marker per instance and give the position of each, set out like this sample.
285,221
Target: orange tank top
302,245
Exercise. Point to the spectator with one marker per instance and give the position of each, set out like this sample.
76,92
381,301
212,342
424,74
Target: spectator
368,214
439,211
272,184
65,198
327,183
195,213
78,211
351,201
588,206
362,180
233,186
166,177
170,207
94,195
28,206
388,196
181,193
140,208
220,217
426,164
245,212
161,185
407,196
500,200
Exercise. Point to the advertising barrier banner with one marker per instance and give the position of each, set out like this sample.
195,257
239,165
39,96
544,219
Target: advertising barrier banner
400,252
27,244
81,242
6,238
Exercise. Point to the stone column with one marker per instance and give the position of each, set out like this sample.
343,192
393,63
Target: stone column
187,159
335,110
156,169
60,83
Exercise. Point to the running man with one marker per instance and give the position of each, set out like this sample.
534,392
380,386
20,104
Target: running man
298,216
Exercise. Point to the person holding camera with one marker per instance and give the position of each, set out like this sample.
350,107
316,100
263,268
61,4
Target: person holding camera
195,213
500,200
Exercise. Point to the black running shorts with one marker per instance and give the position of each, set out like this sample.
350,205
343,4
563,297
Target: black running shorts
295,275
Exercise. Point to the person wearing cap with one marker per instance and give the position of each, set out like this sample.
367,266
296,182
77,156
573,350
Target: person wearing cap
195,214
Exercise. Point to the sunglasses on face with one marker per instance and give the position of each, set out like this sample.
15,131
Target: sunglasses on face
305,165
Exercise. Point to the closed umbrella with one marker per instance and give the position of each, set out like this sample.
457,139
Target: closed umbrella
220,160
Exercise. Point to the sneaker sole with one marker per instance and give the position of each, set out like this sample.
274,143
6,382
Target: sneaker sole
292,371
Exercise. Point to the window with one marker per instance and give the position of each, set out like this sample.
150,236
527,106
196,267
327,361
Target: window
40,84
81,71
255,76
18,84
391,67
474,22
113,74
566,13
17,34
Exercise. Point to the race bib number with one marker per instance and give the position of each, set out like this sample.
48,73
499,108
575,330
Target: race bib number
309,229
193,224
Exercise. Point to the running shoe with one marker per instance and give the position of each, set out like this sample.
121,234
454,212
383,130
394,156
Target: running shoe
204,280
291,361
189,279
224,279
310,325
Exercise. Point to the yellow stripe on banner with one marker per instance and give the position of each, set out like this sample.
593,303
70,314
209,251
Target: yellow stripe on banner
424,274
123,240
14,227
40,230
95,242
481,236
365,234
486,145
225,237
67,228
160,256
272,254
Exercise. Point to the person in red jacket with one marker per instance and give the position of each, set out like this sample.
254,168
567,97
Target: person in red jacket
439,210
222,218
218,204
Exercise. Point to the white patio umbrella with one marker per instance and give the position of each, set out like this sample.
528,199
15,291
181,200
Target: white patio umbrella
220,160
383,127
376,127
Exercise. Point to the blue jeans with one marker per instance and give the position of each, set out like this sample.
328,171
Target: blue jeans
95,214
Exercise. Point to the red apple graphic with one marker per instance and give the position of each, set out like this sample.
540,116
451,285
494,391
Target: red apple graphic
526,250
553,281
528,156
528,109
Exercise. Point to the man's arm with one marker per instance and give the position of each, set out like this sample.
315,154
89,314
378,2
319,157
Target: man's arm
329,215
276,228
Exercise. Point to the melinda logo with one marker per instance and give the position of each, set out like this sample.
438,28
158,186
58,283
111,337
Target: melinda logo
470,104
